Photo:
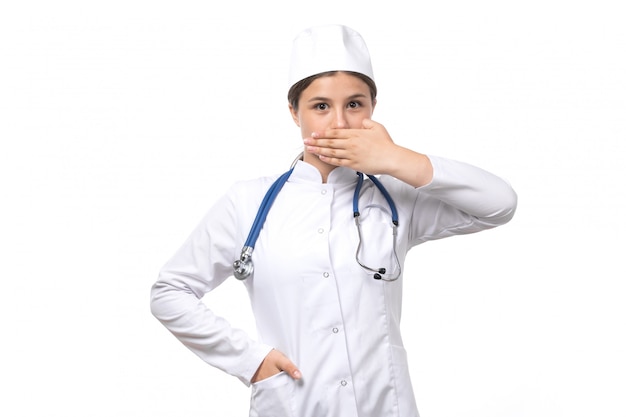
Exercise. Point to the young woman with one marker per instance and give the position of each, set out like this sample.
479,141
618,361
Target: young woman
324,272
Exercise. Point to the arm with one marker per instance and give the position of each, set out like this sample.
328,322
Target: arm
460,199
453,197
200,265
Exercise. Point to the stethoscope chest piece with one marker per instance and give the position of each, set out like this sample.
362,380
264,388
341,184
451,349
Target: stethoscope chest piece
243,266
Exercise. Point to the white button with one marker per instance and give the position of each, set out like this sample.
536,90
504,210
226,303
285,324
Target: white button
320,230
323,192
335,330
344,382
326,274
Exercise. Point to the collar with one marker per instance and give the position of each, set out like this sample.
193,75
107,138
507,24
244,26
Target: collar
304,172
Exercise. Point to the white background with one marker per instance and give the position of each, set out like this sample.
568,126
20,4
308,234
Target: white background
122,121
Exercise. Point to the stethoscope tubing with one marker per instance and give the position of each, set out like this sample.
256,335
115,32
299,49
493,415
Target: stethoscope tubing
379,273
383,190
264,209
243,266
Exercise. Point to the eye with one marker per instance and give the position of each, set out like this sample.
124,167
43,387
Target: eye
354,104
321,106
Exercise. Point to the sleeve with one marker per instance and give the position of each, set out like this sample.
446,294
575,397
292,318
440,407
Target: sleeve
460,199
202,263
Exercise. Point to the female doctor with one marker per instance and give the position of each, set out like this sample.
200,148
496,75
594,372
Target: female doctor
323,262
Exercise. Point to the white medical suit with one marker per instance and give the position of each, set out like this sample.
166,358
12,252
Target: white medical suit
310,298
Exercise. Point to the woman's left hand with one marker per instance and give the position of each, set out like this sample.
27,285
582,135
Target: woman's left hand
368,149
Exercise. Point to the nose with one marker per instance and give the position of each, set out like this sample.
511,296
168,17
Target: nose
339,120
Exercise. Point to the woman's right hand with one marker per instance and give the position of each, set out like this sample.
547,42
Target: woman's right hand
274,363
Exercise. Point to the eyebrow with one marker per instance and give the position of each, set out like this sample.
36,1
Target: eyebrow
352,97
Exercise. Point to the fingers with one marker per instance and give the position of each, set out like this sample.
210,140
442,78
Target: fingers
369,124
354,148
328,142
344,133
321,147
284,364
333,156
274,363
340,138
293,371
335,148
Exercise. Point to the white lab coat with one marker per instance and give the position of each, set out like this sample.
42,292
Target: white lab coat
310,298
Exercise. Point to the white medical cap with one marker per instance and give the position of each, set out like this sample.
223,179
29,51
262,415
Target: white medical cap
328,48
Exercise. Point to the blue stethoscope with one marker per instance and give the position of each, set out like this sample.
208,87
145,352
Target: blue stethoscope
243,266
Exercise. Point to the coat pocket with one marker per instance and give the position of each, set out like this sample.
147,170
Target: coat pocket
273,397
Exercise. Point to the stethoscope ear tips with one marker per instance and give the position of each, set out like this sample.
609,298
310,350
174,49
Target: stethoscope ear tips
380,273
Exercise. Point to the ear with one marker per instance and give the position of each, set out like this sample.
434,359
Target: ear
294,115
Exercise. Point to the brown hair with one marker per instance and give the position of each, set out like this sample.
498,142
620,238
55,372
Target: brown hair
293,96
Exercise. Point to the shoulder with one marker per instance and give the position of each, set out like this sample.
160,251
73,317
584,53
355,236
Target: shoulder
250,190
